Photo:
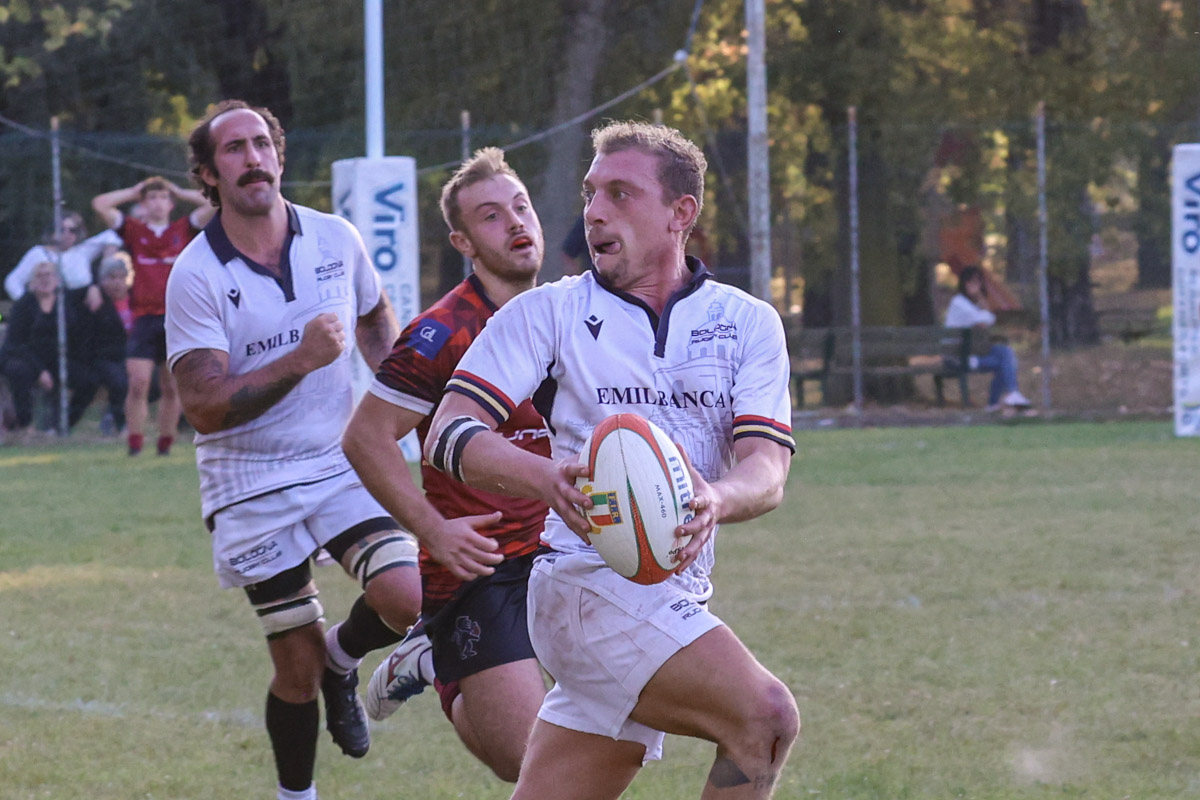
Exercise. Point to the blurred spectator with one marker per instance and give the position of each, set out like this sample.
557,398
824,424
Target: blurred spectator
153,242
76,251
29,355
969,308
103,336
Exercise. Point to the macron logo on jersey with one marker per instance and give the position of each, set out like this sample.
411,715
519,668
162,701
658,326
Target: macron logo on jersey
428,338
593,325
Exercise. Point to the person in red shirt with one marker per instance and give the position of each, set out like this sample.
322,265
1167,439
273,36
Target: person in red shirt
483,665
153,243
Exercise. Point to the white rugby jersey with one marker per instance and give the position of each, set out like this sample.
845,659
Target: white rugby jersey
219,299
712,369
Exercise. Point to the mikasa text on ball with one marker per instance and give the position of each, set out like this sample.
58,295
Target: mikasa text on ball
640,489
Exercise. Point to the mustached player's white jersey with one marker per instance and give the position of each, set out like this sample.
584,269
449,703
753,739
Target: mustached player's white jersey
220,299
712,369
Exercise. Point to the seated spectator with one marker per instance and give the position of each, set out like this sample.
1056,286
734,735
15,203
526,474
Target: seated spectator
29,355
73,250
969,308
102,336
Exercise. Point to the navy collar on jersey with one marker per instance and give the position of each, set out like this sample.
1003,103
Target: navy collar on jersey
659,325
477,285
225,251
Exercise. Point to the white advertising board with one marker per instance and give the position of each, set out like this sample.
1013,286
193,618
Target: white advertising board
379,197
1185,267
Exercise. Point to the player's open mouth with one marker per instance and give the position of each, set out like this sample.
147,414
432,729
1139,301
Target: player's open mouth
606,248
521,243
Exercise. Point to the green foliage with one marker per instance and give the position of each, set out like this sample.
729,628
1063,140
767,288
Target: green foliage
1115,76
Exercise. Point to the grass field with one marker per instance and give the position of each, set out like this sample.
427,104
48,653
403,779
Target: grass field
991,612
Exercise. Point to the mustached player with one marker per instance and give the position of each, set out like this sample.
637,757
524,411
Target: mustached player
259,306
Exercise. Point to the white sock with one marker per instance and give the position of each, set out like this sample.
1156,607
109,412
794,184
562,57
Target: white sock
336,658
304,794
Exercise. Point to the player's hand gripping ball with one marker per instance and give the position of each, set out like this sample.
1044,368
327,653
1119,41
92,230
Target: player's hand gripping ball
640,489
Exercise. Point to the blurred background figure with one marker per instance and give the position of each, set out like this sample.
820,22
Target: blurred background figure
70,247
153,241
969,308
29,355
105,333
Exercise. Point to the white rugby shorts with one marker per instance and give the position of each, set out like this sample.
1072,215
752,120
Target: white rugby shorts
602,637
259,538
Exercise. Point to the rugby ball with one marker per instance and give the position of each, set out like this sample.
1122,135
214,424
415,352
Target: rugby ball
639,488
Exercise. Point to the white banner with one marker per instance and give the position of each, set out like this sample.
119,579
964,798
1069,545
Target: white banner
379,197
1185,263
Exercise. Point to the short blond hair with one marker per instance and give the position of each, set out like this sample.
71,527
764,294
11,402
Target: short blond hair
681,164
487,162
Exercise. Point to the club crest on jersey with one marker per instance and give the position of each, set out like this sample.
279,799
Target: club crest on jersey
593,326
605,508
333,269
428,337
716,327
235,297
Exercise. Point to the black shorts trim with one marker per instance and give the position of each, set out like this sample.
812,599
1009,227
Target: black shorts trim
281,585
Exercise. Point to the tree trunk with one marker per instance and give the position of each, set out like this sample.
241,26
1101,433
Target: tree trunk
881,298
1151,222
559,203
1021,252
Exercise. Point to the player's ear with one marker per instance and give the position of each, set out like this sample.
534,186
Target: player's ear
684,211
207,175
462,243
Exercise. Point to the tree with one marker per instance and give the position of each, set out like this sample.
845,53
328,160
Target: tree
573,95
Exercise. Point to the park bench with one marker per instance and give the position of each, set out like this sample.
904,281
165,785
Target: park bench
887,351
1128,324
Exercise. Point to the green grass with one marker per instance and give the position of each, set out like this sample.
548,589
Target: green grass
992,612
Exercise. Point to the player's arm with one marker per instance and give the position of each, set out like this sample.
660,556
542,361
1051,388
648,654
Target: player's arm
16,283
203,212
376,332
215,401
751,488
463,444
370,445
108,205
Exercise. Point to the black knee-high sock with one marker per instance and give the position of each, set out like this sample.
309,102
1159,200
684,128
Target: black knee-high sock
293,728
363,630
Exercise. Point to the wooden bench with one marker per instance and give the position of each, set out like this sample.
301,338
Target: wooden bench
811,354
1128,324
941,353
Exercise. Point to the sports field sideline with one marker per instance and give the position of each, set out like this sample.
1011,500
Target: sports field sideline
986,612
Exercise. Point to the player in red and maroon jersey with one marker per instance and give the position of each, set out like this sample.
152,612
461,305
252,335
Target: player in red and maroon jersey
476,547
153,243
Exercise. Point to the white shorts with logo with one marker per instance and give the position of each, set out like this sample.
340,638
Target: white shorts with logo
259,538
602,638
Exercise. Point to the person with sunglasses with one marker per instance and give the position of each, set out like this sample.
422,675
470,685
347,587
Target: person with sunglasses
72,251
